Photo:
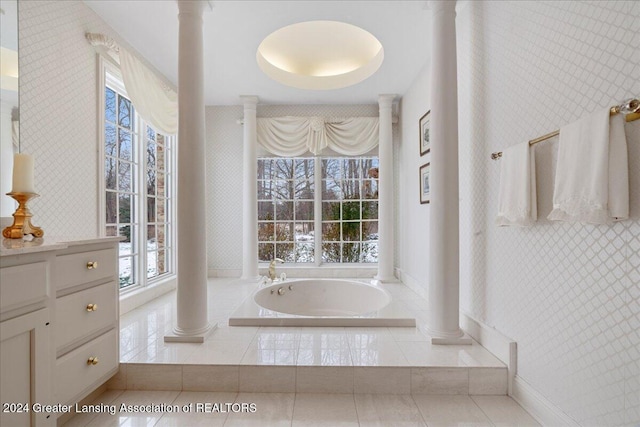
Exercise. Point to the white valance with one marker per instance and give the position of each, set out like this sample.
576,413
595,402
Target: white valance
154,100
293,136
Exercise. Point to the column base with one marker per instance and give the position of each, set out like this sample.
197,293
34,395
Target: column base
378,280
449,338
197,336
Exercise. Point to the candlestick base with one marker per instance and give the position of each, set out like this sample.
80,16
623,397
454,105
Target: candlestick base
22,218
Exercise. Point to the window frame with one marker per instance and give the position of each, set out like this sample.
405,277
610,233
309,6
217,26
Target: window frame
139,191
318,221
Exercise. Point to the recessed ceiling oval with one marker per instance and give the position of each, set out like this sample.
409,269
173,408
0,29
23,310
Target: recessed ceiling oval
320,55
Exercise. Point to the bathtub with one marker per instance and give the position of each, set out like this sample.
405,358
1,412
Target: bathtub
321,302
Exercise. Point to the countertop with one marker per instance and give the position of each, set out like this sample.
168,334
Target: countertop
26,246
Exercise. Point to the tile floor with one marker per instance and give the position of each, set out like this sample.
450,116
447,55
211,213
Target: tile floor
307,409
142,331
314,356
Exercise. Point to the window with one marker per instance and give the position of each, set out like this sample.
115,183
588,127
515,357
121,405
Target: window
285,209
137,187
348,218
350,210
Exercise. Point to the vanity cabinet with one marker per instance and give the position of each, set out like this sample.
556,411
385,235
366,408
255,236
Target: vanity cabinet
59,334
25,350
85,320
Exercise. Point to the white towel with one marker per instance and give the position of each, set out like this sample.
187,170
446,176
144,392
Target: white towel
517,197
592,174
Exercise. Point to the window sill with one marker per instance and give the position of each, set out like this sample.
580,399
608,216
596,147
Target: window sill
136,297
364,271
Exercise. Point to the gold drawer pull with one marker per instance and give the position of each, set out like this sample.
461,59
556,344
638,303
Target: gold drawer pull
92,360
92,265
92,307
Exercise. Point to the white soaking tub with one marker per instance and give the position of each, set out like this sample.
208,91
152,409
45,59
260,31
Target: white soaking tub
320,302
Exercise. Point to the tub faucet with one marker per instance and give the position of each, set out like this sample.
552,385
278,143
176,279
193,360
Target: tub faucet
272,268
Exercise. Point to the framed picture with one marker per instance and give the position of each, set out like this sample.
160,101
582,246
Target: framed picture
425,138
425,183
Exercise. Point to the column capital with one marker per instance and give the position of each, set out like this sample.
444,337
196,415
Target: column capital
191,7
442,6
249,101
386,99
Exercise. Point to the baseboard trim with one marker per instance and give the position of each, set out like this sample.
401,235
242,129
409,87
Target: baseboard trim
225,272
545,412
501,346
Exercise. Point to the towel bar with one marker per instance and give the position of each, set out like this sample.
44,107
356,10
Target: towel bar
631,105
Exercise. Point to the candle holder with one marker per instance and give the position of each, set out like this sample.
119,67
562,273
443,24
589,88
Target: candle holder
22,218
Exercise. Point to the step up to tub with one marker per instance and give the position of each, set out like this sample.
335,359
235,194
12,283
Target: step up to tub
312,379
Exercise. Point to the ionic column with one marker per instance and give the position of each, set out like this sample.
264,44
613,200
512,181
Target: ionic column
192,323
385,191
250,191
444,254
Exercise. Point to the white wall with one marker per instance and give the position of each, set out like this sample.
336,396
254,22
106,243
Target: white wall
413,232
224,174
7,204
58,112
568,294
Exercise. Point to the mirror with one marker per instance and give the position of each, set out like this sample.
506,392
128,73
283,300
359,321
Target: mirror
9,100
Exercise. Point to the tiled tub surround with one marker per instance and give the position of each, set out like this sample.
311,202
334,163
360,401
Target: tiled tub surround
322,302
395,360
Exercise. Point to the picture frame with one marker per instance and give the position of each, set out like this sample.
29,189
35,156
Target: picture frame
425,137
425,183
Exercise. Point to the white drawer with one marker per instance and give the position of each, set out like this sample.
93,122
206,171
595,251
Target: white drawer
74,374
73,318
22,285
76,269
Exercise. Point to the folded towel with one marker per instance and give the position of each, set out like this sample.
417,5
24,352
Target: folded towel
592,174
517,197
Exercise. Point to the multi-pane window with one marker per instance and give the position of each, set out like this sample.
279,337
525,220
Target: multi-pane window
349,200
120,168
350,210
138,179
285,209
158,181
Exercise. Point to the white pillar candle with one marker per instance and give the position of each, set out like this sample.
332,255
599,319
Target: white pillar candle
23,173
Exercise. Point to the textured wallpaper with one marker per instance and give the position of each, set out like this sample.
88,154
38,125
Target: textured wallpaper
58,112
224,174
568,294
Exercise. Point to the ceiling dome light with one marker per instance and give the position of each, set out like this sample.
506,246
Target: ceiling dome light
320,55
